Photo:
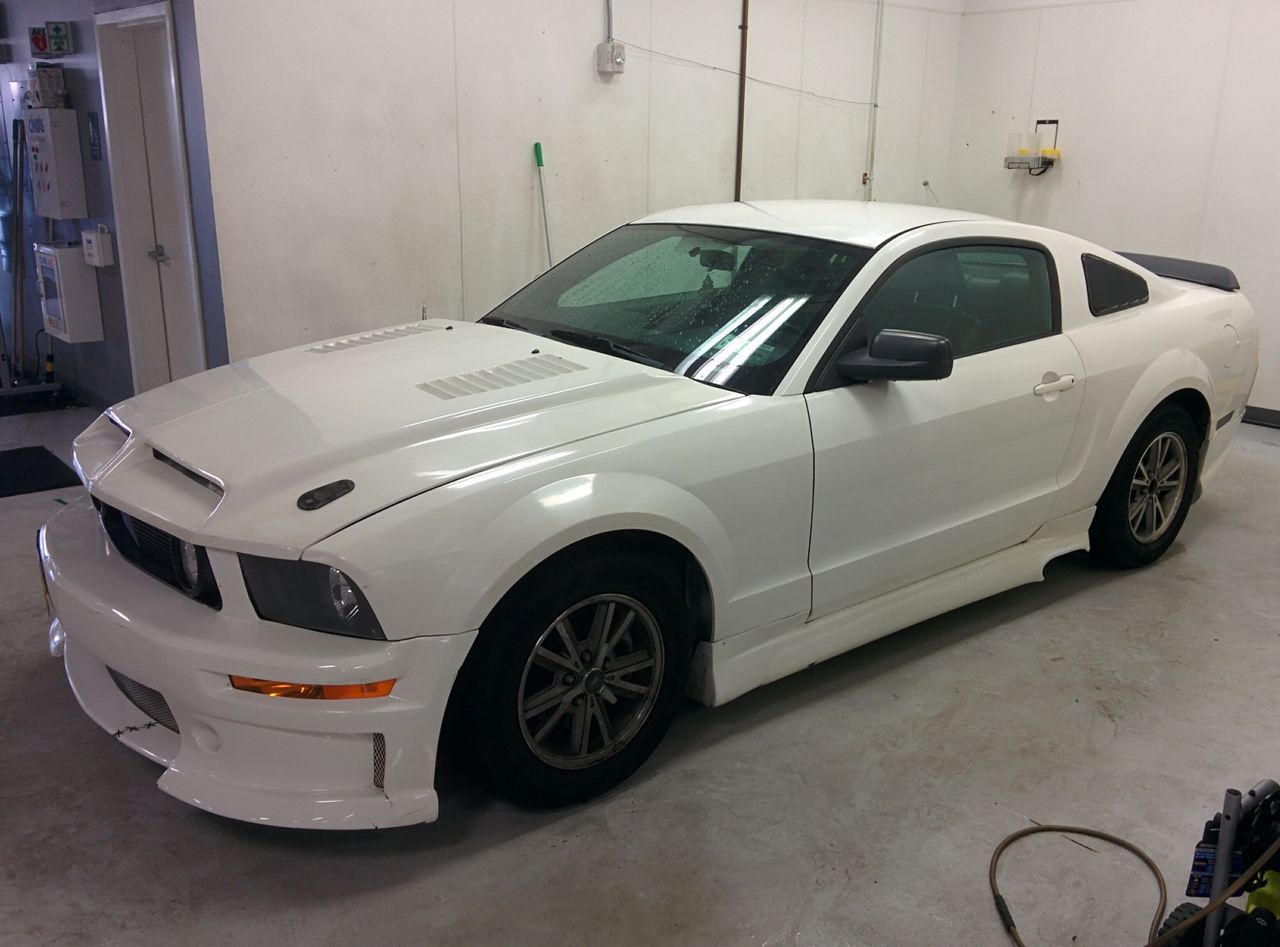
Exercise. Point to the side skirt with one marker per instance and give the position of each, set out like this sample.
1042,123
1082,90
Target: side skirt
729,668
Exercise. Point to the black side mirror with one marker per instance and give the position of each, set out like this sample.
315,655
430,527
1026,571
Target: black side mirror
898,355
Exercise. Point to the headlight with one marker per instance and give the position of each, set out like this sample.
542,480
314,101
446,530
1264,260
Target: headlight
190,569
308,595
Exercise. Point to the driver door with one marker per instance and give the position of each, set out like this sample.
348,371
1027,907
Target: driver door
912,478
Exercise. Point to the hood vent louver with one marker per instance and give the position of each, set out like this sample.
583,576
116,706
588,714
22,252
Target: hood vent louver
369,338
507,375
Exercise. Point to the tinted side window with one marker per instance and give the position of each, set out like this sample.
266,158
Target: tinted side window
978,297
1112,288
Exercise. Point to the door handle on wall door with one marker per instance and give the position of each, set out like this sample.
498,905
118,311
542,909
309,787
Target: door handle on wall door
1061,383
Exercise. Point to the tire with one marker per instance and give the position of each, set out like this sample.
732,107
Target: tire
1114,536
522,661
1193,935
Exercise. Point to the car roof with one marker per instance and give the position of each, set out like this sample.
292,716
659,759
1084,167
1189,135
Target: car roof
862,223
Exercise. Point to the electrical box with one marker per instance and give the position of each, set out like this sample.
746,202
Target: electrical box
57,171
611,58
68,293
97,247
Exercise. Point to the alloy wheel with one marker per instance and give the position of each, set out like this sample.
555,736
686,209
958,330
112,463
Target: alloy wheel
1155,493
590,682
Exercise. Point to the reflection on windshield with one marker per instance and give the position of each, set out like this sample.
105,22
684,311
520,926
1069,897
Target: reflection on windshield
723,306
733,355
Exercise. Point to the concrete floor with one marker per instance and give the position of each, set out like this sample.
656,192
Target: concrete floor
855,803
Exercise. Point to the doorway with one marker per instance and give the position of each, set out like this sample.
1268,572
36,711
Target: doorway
146,150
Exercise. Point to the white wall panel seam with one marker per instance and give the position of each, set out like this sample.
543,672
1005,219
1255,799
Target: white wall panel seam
1211,168
457,150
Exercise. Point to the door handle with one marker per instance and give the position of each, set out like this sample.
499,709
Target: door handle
1062,383
158,254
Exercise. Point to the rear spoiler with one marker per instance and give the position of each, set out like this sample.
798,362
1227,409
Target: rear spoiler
1189,271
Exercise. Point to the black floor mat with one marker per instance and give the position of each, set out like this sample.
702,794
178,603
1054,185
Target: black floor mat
17,401
32,469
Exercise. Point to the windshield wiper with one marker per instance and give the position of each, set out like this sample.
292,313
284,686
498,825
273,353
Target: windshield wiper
505,323
600,343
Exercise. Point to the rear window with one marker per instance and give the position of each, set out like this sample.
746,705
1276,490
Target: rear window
1112,288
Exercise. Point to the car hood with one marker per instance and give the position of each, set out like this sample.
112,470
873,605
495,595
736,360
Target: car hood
222,457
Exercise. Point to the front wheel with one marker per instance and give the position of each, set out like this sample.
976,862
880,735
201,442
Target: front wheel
1150,493
576,677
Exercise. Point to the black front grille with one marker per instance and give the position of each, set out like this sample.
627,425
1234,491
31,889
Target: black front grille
154,544
150,702
155,551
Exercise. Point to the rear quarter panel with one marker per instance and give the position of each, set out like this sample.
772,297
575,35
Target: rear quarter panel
1185,337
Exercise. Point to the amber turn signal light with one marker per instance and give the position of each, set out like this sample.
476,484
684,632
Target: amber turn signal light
257,685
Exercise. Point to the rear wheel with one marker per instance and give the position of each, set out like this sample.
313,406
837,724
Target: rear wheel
1150,493
575,678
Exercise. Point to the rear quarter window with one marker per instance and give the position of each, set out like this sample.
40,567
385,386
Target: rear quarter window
1112,288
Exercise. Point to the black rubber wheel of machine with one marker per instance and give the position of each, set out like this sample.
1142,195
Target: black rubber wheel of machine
1192,936
489,693
1112,539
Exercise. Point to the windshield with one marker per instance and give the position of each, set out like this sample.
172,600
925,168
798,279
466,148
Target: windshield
724,306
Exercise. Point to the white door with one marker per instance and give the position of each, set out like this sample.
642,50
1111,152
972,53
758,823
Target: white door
912,478
146,150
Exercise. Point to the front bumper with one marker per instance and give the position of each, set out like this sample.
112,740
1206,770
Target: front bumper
342,764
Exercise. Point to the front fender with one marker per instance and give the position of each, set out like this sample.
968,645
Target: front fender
437,563
426,571
556,516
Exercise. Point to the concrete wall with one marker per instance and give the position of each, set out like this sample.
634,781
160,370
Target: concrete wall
1167,111
369,162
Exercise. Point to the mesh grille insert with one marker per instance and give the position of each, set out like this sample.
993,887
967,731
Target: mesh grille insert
379,759
150,702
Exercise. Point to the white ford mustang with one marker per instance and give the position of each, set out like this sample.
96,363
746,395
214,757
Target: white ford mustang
711,448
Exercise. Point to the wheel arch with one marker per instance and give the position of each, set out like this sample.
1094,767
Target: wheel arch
1195,404
588,514
685,568
1177,377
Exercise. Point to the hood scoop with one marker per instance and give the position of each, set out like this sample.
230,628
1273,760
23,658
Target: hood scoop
369,338
508,375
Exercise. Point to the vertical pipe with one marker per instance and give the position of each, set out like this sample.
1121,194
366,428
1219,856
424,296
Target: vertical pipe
868,176
17,352
742,102
1222,862
608,14
542,191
